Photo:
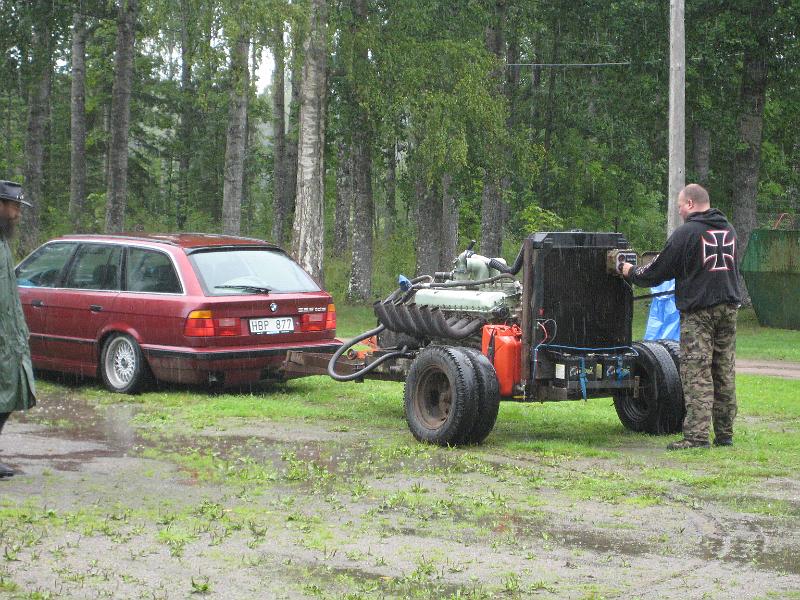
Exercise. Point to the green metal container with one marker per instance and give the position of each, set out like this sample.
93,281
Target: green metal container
771,269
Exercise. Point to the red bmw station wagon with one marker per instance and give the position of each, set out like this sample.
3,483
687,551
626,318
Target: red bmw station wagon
187,308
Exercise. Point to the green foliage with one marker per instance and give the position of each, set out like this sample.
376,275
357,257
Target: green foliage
579,148
392,257
535,218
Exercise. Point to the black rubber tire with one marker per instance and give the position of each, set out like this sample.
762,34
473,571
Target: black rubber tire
679,404
654,411
488,396
441,396
123,368
674,349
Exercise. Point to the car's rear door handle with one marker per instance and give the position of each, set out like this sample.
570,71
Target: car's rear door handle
37,303
95,307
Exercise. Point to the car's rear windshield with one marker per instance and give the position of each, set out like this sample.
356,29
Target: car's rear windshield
229,271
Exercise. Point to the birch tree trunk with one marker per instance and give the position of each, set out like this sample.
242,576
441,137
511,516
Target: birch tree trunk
293,135
77,180
307,232
117,187
360,286
701,153
492,214
280,178
429,229
551,85
747,159
491,218
344,199
535,83
185,126
247,203
449,224
38,102
391,191
235,139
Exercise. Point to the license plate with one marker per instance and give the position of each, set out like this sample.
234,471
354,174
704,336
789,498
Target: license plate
272,325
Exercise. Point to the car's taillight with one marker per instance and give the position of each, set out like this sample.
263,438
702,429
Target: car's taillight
201,323
228,326
312,322
321,321
330,317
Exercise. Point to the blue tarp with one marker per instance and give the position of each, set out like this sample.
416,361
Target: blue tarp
664,322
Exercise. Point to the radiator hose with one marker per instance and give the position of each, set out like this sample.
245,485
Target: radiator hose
359,374
499,265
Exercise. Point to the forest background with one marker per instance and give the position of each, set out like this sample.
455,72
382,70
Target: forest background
392,131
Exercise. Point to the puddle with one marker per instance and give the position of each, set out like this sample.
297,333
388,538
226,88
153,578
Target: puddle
754,542
72,415
79,432
73,432
108,431
761,545
597,541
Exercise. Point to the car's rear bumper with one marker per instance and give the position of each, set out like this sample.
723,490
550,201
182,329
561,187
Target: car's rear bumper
230,366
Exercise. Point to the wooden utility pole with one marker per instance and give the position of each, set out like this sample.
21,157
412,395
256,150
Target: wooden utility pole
677,110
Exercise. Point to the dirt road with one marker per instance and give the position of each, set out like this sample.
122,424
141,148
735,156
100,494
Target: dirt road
773,368
110,505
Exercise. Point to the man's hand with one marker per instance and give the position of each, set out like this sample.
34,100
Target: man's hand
626,268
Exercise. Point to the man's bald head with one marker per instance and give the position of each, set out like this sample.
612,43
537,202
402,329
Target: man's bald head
697,193
693,198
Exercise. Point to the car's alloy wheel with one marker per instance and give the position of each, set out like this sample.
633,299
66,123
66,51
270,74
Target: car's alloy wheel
122,365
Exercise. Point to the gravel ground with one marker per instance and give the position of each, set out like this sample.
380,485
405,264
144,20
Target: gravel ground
103,506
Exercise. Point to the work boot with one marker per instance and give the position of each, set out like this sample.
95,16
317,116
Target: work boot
5,471
686,444
723,441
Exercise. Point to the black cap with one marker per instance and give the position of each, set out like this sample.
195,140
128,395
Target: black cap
12,191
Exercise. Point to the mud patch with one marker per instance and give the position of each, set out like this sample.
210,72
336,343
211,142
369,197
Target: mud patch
783,369
334,514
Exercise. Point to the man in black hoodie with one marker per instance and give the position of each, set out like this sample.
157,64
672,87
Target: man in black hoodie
702,256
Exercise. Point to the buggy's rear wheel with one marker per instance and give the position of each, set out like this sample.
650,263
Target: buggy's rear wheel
679,402
657,407
441,396
488,401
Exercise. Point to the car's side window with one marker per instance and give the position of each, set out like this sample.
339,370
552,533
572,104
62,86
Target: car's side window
150,271
44,267
96,267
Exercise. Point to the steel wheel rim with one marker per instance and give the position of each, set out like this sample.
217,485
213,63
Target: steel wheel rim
433,398
638,408
120,363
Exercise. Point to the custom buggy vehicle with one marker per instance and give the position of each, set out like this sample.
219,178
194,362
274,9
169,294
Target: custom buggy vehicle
466,339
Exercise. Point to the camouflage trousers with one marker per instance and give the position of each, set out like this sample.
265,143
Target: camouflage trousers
708,367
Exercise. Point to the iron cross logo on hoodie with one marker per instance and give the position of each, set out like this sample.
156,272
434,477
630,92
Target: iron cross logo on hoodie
718,250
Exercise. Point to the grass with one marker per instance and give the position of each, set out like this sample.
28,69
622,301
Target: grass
767,442
364,468
756,342
352,320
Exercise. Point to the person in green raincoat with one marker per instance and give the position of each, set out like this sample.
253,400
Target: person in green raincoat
17,391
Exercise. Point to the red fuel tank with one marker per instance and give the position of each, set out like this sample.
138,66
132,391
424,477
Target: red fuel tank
502,345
